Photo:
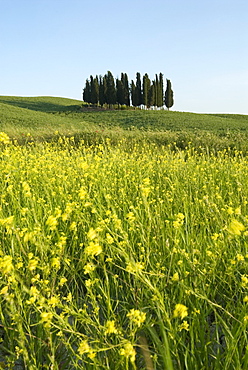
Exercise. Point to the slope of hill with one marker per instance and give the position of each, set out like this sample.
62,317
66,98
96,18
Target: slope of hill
41,117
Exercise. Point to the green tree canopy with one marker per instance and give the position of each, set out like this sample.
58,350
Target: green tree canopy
145,89
120,92
110,89
107,90
124,79
168,99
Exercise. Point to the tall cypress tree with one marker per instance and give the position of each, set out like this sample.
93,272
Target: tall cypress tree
160,91
94,90
110,89
146,88
91,88
86,92
120,92
101,92
138,89
151,95
156,84
124,79
168,99
134,94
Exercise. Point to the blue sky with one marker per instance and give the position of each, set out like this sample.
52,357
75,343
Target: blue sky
50,47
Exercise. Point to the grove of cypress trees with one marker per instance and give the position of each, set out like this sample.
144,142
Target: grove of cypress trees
168,99
143,91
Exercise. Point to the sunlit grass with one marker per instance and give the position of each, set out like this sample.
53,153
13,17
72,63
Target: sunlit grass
119,257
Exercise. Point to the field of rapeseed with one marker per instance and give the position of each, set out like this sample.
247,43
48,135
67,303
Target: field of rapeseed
114,257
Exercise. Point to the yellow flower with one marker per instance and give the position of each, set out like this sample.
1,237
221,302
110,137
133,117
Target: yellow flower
69,297
128,351
180,311
34,292
110,327
82,193
134,267
46,318
52,222
85,348
32,264
136,316
62,281
26,189
175,277
109,239
89,268
4,138
238,211
93,249
145,187
53,301
73,226
184,326
235,227
240,258
244,281
55,262
179,220
6,265
4,290
92,234
130,217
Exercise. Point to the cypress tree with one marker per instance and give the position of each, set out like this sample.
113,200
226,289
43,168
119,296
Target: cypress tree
110,89
124,79
151,95
86,92
146,88
120,92
160,91
168,99
91,88
138,89
101,92
156,84
134,94
94,90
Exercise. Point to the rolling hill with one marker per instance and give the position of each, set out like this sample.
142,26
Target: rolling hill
41,117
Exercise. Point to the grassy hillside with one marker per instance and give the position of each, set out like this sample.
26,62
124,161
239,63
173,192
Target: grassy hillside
130,256
41,117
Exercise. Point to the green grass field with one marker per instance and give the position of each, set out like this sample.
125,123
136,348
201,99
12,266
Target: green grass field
123,238
41,117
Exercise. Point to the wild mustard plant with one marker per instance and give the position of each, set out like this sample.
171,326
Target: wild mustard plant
103,245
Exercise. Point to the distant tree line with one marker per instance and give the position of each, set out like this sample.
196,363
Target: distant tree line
101,90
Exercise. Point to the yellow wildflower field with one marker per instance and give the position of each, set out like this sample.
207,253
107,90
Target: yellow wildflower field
119,257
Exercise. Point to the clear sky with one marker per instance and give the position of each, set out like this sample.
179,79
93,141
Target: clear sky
50,47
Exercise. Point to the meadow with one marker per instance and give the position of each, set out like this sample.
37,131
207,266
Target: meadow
44,118
120,251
